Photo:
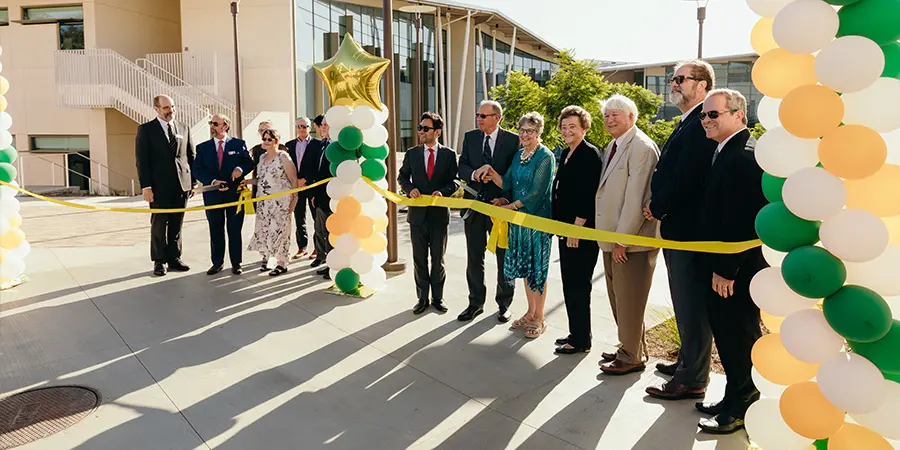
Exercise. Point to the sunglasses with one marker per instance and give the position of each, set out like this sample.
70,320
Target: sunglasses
215,124
426,128
714,114
269,140
680,79
303,126
485,116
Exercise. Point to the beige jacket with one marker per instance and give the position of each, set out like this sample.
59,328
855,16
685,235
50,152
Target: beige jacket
625,188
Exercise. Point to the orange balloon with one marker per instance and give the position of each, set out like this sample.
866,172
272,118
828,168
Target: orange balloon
779,71
811,111
332,239
349,207
363,227
806,410
336,224
12,239
374,244
15,221
853,152
878,193
761,37
381,224
773,323
856,437
893,226
775,364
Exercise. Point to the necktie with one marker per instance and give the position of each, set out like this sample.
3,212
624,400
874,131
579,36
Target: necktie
221,153
173,143
715,155
430,168
612,153
486,154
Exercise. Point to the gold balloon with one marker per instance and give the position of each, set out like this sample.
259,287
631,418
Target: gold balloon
15,221
779,71
332,239
761,37
381,224
4,85
855,437
353,76
893,225
853,152
811,111
2,255
877,194
772,323
806,411
3,103
12,239
775,364
373,244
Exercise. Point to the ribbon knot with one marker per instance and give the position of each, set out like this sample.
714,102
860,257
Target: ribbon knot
499,235
245,201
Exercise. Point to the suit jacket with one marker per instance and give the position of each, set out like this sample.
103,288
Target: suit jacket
625,189
206,168
471,159
677,184
413,175
731,199
576,183
307,167
319,169
167,172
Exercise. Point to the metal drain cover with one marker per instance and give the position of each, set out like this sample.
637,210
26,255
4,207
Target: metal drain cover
38,413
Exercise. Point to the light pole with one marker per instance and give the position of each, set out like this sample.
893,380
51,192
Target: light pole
701,16
394,264
239,120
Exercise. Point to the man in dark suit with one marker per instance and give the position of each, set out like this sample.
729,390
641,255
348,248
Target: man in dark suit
429,169
488,146
164,154
223,161
676,190
731,200
299,150
320,201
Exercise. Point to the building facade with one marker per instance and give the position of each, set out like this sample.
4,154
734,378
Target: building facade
83,75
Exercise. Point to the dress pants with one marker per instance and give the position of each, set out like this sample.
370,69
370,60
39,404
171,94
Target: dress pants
220,220
628,285
689,293
300,220
320,234
477,228
165,231
429,239
576,266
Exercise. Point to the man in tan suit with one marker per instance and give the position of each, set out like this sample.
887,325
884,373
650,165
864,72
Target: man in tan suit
624,189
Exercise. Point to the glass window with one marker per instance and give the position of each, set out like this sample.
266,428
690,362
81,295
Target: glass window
53,13
71,36
4,17
60,143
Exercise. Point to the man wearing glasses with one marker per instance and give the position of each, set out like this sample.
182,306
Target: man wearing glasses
306,166
676,190
487,147
223,161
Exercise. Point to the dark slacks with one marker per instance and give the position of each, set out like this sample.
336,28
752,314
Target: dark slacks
576,266
165,231
320,234
477,228
300,219
429,239
689,293
220,220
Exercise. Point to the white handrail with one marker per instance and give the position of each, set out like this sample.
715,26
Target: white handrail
199,69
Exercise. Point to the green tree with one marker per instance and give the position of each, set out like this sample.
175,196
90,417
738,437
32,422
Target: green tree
757,130
523,95
660,130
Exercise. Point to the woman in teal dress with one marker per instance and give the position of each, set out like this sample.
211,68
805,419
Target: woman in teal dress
529,178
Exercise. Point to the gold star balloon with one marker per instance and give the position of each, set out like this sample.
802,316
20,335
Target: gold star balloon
353,75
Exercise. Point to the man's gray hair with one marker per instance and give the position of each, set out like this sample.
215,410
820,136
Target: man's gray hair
303,118
225,119
535,119
619,102
498,110
734,100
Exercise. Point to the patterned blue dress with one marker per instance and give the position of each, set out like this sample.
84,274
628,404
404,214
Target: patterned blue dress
528,254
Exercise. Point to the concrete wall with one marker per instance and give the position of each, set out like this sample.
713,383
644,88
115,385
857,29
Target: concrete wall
467,111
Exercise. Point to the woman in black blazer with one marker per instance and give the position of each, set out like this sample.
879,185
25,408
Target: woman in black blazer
574,193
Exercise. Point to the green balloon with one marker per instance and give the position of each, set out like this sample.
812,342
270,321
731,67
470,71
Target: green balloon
821,444
883,352
891,60
338,154
373,169
895,377
350,138
7,172
8,155
840,3
347,280
771,186
813,272
783,231
874,19
333,168
374,152
858,314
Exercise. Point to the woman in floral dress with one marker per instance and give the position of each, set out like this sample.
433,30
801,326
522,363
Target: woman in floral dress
275,173
530,178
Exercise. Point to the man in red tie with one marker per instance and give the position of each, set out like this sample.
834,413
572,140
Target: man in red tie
429,169
223,161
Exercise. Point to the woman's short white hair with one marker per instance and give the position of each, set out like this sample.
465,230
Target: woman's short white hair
619,102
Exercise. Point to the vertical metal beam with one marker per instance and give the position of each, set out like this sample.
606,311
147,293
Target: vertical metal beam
417,73
393,264
440,66
701,16
493,57
512,54
238,120
484,84
462,75
449,88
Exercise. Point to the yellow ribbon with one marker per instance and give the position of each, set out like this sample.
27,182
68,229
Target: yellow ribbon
499,235
245,201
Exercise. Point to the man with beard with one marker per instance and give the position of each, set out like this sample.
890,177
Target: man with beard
676,191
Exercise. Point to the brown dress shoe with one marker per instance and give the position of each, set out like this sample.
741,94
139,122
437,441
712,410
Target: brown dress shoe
675,391
619,367
609,357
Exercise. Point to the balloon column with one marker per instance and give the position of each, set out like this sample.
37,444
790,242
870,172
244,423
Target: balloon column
831,233
13,246
359,220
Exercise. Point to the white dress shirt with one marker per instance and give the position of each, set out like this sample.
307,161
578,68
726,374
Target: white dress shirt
688,112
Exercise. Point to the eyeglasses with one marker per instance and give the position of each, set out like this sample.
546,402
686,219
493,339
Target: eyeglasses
527,131
714,114
269,140
680,79
485,116
426,128
215,124
303,126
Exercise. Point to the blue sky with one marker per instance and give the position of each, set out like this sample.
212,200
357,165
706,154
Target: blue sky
634,30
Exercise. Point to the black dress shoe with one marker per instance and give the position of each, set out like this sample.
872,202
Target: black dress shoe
667,369
420,307
504,315
721,424
563,341
159,269
327,276
439,306
214,269
470,313
178,265
236,269
711,408
563,350
316,263
322,271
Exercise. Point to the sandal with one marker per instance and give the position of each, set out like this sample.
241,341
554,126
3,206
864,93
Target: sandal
265,265
521,322
278,271
535,330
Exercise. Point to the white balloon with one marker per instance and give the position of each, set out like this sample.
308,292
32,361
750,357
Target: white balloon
375,208
884,419
5,139
781,154
807,336
21,251
361,262
767,388
5,121
337,189
854,235
860,53
805,26
375,279
375,136
6,191
770,292
877,106
892,140
381,116
773,257
4,225
9,207
337,260
349,172
767,8
814,194
379,259
337,117
382,183
11,267
879,274
767,112
768,430
851,383
332,204
363,192
363,117
347,244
